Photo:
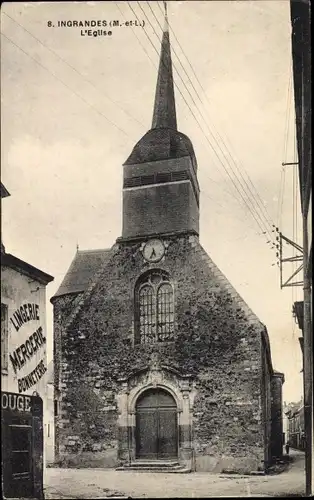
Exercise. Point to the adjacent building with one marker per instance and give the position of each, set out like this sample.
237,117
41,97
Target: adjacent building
49,417
23,324
295,425
23,370
277,435
157,357
302,79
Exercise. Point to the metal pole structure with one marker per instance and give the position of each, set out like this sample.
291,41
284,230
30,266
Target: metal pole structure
308,362
300,12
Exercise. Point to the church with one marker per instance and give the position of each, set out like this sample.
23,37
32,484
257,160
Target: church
159,364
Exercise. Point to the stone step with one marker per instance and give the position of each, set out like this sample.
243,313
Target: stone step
151,466
164,470
155,463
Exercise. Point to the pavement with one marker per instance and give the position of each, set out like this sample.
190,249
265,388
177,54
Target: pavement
109,483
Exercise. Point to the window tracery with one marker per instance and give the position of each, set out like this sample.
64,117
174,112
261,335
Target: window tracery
154,308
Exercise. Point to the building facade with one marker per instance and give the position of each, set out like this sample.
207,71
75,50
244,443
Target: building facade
296,429
50,418
277,433
302,79
23,324
23,373
157,358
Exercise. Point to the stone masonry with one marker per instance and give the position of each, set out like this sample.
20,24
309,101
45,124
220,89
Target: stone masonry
276,415
217,351
157,355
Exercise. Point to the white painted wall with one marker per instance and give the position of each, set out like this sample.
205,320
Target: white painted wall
18,289
49,418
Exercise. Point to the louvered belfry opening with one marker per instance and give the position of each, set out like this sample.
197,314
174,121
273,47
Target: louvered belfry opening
160,186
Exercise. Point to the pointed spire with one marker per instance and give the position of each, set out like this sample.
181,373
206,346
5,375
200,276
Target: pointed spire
166,28
165,109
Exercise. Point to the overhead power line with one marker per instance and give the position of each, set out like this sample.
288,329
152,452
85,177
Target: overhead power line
285,162
78,95
257,196
74,69
204,119
287,119
263,232
209,142
67,86
155,65
281,196
138,39
257,199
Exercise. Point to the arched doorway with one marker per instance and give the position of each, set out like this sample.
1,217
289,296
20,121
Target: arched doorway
156,426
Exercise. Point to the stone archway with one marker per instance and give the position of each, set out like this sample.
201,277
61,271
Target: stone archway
179,387
156,432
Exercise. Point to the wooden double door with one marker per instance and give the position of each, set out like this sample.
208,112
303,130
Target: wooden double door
156,426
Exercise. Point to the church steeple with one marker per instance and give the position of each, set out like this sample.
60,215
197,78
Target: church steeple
160,186
164,108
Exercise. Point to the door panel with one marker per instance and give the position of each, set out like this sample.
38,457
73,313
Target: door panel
21,484
167,434
156,425
146,426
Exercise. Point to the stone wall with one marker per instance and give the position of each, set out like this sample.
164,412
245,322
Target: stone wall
276,415
266,400
217,343
164,208
62,308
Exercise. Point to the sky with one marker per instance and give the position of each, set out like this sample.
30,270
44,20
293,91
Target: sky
74,106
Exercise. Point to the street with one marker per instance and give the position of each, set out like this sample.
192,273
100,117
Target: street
109,483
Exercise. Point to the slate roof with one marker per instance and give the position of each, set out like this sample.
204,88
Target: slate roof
81,271
160,144
4,191
165,108
9,260
163,141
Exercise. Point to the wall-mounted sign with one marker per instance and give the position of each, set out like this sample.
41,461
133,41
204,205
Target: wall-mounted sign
28,352
32,378
25,313
15,402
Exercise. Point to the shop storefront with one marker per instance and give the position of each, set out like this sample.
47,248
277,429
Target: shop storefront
23,376
22,445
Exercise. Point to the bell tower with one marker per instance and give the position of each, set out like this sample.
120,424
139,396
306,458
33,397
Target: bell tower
160,187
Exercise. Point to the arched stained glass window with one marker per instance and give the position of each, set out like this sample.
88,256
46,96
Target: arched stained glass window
147,313
165,311
154,311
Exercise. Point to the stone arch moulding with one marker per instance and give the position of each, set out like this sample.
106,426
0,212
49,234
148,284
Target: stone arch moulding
135,393
180,387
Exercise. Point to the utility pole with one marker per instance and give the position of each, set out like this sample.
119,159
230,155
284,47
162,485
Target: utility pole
303,257
307,360
282,260
300,14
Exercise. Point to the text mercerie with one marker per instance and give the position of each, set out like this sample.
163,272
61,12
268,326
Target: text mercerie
23,314
27,350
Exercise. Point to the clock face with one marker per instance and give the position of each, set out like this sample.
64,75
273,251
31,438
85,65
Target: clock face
153,250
